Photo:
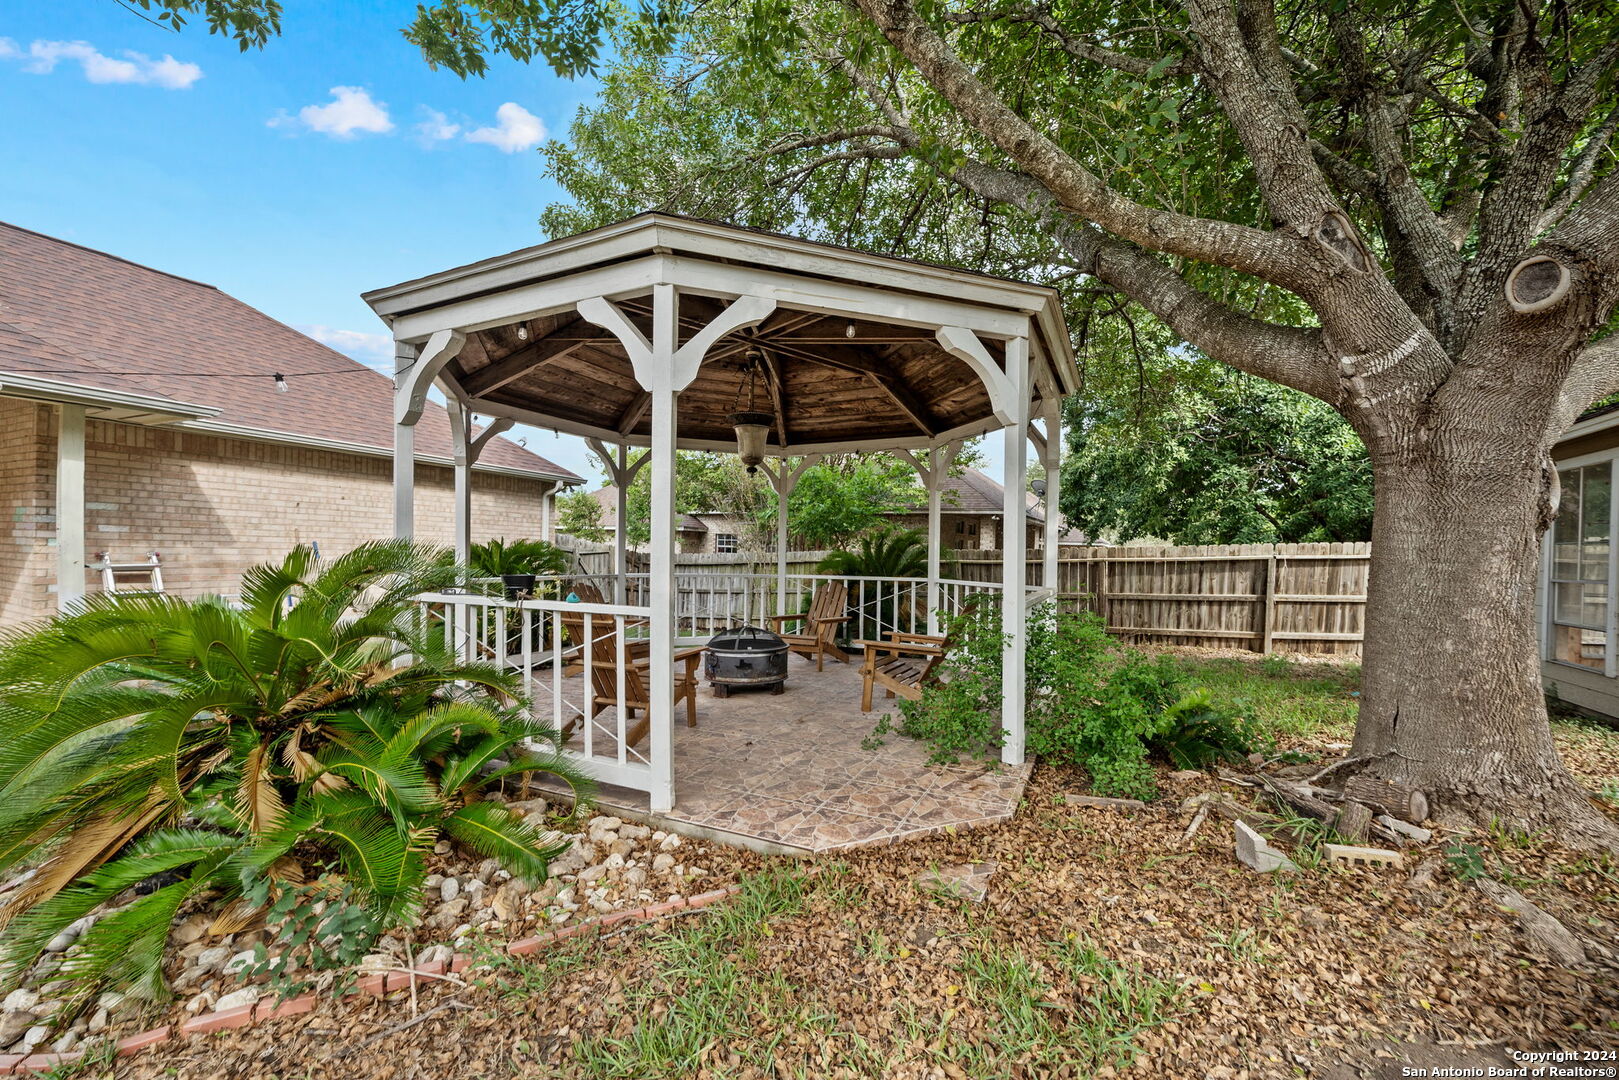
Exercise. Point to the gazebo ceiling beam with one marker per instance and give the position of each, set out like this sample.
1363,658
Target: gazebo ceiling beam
907,402
778,393
634,413
876,371
511,368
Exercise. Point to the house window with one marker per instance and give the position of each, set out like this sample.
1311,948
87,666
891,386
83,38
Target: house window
726,543
1580,595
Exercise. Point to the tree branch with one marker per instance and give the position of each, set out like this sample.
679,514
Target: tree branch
1594,376
1079,50
1581,172
1244,62
1288,355
1265,255
1419,228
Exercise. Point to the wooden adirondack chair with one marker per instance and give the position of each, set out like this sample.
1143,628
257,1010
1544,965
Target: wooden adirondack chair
573,628
604,669
903,665
829,609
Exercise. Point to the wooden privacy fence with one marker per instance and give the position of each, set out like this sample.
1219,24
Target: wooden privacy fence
1302,598
1299,598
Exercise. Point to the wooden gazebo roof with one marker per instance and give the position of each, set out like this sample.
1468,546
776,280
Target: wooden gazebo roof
849,357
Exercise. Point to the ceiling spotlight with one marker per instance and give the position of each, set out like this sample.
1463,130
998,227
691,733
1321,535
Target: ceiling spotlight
281,383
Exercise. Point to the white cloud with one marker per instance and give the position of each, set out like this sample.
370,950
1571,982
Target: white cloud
42,57
516,129
372,350
350,110
437,127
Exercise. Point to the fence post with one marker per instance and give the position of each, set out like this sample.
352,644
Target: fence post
1101,591
1269,640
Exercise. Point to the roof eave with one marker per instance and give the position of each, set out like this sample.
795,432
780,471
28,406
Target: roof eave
157,409
315,442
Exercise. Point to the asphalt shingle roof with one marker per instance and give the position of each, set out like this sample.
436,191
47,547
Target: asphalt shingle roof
85,317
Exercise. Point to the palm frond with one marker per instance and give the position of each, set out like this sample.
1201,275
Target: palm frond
495,832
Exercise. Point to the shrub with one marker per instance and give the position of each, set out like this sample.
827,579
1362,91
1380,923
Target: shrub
189,747
500,556
1089,703
960,714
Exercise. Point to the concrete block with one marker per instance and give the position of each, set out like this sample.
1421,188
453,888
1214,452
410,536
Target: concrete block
1256,853
1349,855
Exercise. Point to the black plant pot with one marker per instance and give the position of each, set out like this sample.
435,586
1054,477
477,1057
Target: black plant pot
518,586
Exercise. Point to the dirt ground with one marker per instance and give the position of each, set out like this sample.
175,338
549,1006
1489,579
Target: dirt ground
863,973
1105,945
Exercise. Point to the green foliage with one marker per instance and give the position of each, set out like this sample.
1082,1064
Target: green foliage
834,500
500,556
1466,861
579,515
959,715
1198,732
1233,460
321,932
884,553
1095,706
320,727
843,497
1110,711
250,23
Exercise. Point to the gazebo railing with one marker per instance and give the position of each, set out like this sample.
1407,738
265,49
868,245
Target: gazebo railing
706,603
586,692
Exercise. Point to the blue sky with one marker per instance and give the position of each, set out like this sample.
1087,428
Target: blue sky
247,171
296,177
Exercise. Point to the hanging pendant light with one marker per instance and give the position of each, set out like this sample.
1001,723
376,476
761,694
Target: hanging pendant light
752,426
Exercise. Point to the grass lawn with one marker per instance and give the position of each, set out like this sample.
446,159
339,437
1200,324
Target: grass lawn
1107,945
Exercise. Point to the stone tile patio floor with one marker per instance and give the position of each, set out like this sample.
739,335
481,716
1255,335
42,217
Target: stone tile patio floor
786,773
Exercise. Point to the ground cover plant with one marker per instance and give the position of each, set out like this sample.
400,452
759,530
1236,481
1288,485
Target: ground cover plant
319,736
1107,709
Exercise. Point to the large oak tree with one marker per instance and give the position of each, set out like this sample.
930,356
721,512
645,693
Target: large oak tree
1409,212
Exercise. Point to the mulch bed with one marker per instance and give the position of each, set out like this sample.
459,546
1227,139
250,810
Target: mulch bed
1329,973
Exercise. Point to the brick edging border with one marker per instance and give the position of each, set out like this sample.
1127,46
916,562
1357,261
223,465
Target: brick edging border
374,985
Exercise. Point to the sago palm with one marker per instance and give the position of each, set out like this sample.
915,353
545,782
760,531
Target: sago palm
883,553
320,726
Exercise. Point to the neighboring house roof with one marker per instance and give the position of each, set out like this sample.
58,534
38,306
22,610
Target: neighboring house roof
608,498
973,492
78,324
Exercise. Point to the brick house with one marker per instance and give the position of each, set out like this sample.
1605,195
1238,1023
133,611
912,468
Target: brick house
142,412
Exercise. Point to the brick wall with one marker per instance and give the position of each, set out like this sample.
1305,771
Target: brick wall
27,473
213,505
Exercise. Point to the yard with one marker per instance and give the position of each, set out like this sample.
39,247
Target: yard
1105,945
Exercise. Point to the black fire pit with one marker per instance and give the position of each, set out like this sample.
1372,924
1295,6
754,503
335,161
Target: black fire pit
745,656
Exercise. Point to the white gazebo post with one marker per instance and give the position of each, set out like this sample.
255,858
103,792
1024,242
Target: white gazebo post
1014,566
69,505
461,467
465,450
933,476
664,368
1048,444
414,372
622,474
784,480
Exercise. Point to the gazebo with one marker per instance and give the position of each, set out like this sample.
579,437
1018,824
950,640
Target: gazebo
657,332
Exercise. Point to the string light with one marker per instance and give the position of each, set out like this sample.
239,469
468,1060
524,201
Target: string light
281,383
522,331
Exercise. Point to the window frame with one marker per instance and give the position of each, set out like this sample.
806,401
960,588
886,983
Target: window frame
727,543
1549,581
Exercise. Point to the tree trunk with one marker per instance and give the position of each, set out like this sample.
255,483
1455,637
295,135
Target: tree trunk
1452,701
